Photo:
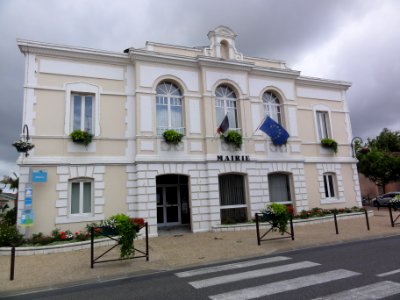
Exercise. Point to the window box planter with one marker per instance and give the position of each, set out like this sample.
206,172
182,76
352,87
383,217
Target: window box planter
233,138
330,144
172,137
81,137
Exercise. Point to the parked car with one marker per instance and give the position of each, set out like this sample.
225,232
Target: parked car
383,200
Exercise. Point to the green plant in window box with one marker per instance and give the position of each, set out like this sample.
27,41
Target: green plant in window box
172,137
330,143
278,215
234,138
81,137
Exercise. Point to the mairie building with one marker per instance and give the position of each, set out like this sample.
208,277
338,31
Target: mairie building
128,99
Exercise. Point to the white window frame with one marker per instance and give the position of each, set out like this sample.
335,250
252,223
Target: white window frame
330,185
81,182
171,100
318,111
227,103
272,109
83,111
82,88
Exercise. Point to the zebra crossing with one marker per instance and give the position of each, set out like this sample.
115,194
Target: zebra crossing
218,276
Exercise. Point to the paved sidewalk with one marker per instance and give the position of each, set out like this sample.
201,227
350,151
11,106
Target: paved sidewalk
179,250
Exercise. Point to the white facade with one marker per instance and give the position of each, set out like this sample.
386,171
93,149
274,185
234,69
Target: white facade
120,171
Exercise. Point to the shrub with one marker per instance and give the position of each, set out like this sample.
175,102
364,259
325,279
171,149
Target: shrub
41,239
172,137
9,236
81,137
10,217
82,236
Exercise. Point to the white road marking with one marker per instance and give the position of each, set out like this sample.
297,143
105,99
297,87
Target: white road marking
233,266
285,285
389,273
251,274
373,291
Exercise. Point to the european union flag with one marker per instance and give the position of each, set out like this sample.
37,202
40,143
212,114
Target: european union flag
276,132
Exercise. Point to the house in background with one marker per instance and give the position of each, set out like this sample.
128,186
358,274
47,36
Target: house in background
128,99
7,201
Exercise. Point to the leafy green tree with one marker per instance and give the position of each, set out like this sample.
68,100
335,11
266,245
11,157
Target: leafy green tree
381,163
12,184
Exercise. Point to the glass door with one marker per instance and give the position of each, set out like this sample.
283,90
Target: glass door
168,205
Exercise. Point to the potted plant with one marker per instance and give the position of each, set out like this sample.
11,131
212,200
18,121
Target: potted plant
23,146
278,215
234,138
395,202
81,137
172,137
127,230
330,143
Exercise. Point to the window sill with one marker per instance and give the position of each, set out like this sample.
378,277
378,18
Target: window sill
79,219
332,200
74,147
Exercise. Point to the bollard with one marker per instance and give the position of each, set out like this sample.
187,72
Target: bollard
147,241
12,267
91,247
366,217
258,230
391,215
336,225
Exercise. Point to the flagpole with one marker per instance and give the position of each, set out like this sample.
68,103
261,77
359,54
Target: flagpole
262,122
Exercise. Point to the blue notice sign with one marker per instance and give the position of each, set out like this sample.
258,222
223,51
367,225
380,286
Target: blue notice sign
39,176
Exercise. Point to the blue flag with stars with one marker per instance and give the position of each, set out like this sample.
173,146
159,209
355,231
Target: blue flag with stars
276,132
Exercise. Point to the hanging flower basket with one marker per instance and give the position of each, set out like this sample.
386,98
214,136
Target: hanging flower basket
23,146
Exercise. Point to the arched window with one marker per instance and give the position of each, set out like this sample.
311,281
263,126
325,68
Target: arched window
272,106
225,103
169,108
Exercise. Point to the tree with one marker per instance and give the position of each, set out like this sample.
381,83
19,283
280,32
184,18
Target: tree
12,184
381,163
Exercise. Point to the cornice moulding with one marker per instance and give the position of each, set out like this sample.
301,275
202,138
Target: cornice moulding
320,82
64,51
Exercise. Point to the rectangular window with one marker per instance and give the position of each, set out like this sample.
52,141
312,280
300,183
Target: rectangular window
232,199
279,188
81,197
323,125
329,185
82,112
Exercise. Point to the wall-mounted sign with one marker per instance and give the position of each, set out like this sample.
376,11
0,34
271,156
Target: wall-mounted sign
28,196
27,217
233,158
39,176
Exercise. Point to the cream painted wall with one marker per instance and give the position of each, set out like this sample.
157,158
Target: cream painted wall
44,198
312,184
115,190
113,116
47,123
348,185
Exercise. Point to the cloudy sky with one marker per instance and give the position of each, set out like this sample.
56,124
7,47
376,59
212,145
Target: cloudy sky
350,40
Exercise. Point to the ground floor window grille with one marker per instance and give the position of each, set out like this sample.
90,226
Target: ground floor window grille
232,199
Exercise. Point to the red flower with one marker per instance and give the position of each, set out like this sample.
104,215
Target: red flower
63,235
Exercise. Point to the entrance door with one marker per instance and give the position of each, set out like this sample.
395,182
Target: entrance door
168,205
